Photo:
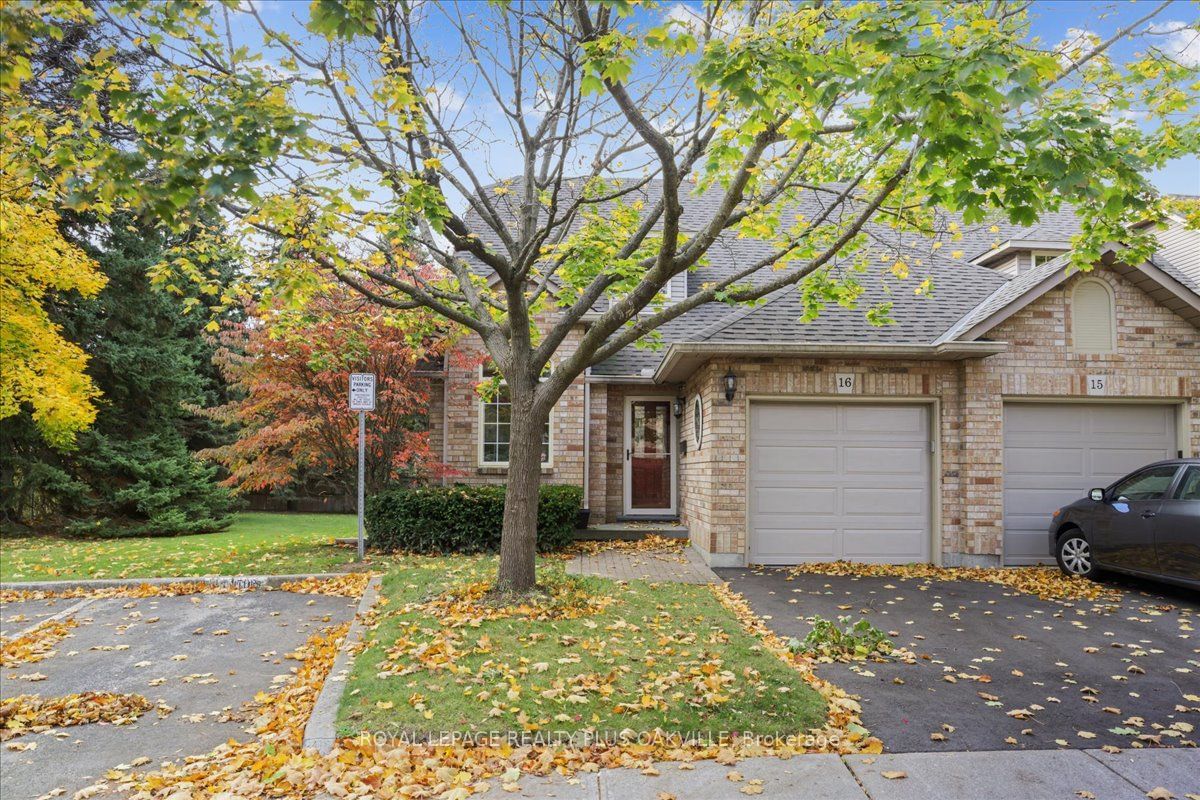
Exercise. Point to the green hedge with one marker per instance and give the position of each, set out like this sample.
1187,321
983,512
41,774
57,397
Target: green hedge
462,519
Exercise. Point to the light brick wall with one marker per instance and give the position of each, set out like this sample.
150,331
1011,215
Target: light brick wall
462,409
1157,357
714,478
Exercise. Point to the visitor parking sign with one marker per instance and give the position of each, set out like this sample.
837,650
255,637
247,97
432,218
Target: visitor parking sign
362,391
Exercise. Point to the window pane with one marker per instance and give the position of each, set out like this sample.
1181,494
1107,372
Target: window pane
1189,488
1150,484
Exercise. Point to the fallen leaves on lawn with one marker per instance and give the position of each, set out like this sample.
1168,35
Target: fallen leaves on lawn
30,712
36,644
352,584
465,606
654,543
559,597
1048,583
274,765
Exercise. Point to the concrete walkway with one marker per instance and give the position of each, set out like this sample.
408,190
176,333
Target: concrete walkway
1029,775
684,566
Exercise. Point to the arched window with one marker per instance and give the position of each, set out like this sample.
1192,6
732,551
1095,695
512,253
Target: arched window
1093,317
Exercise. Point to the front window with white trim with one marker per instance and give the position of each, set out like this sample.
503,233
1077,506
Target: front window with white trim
495,424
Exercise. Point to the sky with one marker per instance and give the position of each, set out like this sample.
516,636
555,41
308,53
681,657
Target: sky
1052,22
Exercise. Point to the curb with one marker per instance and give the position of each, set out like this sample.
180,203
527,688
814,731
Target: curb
321,731
234,581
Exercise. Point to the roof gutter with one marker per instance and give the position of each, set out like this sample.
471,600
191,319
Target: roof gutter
682,358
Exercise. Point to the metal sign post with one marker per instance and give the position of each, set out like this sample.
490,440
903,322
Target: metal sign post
362,400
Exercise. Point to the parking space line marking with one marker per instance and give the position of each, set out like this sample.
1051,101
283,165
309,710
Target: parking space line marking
66,612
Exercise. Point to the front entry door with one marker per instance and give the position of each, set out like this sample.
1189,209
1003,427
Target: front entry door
649,461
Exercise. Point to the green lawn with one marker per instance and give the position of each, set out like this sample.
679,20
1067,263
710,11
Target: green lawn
256,543
666,656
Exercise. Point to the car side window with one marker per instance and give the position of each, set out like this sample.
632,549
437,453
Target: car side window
1189,487
1149,484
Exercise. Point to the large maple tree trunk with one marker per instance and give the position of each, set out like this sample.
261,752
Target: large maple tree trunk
518,538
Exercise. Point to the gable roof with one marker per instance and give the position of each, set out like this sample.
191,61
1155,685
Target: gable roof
968,298
1158,278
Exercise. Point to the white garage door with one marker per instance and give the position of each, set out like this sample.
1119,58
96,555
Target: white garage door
830,481
1054,453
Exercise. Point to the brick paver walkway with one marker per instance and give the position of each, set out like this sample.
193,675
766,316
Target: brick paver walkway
626,565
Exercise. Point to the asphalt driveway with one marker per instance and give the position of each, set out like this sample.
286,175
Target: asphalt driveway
1086,675
203,655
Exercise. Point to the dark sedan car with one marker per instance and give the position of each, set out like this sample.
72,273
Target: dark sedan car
1147,524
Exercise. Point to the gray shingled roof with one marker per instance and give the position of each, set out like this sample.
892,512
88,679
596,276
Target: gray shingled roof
964,293
1180,248
1007,293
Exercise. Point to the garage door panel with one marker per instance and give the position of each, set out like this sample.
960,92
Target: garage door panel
795,459
1042,418
1028,548
1131,421
1034,463
830,481
1115,462
791,500
1055,453
1041,497
885,502
884,460
884,419
882,546
783,545
790,418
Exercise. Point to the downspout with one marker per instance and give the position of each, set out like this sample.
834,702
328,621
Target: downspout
445,421
587,438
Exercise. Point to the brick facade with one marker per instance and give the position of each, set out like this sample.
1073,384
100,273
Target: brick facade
1157,357
460,447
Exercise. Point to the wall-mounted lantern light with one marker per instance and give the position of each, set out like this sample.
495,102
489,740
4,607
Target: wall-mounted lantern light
730,385
677,407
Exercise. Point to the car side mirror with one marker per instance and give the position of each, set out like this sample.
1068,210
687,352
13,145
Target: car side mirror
1096,494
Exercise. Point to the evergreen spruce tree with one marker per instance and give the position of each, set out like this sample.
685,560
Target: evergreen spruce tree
133,471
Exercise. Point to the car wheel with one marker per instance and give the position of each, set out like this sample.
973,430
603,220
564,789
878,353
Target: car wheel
1075,554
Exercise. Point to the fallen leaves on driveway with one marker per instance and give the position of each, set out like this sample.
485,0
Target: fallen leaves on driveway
30,712
1048,583
844,725
272,765
35,645
348,585
138,591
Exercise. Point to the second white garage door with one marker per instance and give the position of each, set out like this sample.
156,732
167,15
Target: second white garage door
839,481
1054,453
